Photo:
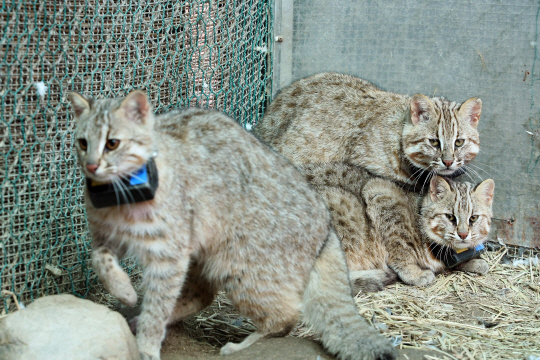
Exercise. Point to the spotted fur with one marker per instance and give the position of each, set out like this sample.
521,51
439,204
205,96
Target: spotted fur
388,232
228,214
339,118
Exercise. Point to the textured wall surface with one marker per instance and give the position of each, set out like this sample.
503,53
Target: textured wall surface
456,49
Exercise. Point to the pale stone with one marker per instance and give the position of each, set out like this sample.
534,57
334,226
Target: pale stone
65,327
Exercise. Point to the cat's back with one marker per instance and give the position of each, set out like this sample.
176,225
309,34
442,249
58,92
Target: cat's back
349,177
226,161
316,119
241,192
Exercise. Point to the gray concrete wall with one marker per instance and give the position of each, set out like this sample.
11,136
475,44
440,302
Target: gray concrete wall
453,48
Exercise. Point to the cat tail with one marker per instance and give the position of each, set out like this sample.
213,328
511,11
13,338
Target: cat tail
372,280
330,309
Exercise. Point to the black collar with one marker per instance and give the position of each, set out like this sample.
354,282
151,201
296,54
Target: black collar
421,180
451,257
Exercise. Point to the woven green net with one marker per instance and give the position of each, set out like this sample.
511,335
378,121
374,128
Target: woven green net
183,53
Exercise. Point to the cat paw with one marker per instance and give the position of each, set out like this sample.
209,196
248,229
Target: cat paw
478,266
229,348
120,287
133,325
126,294
146,356
149,350
373,347
426,277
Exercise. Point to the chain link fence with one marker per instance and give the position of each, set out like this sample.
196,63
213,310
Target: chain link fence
182,53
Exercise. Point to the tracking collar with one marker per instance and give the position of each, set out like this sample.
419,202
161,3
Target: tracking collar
137,187
452,258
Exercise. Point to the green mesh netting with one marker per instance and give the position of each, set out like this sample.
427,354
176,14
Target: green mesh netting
183,53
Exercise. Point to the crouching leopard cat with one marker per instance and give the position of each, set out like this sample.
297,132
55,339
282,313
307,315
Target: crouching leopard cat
228,214
388,232
339,118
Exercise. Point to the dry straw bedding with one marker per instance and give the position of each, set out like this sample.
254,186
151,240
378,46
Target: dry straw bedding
464,316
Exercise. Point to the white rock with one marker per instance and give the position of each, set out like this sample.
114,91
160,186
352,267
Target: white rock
65,327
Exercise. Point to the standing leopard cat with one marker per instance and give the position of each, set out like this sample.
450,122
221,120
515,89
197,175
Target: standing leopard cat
388,232
228,214
332,117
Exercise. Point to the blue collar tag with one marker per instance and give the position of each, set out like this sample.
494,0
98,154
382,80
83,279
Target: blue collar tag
139,177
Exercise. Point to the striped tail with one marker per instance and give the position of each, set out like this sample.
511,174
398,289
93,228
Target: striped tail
330,309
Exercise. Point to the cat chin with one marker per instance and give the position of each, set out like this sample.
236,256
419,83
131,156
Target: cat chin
460,245
449,173
453,245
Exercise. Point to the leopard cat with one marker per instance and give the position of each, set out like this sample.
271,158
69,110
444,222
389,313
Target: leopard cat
389,233
339,118
229,214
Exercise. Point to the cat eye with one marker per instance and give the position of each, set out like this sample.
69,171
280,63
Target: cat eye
434,142
473,218
451,217
83,144
112,144
459,142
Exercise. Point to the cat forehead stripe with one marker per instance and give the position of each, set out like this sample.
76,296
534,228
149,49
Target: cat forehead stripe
464,199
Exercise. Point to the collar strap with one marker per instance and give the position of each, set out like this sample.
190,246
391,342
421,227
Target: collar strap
139,186
452,258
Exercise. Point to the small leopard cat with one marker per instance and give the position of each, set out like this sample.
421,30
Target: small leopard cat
332,117
389,232
228,214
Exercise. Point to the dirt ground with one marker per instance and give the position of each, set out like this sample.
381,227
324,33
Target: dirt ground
178,345
181,344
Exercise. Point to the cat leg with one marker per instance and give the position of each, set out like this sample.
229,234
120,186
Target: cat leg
163,280
114,278
273,307
412,274
393,217
196,295
478,266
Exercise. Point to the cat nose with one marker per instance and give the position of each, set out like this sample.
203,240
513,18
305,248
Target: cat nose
92,168
448,163
463,235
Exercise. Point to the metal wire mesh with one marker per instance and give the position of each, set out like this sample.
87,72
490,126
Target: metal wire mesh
183,53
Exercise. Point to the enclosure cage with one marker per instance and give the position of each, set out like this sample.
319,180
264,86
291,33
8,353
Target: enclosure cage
234,56
205,53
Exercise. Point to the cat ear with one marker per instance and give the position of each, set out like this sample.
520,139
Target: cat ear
136,107
420,107
471,110
438,188
484,191
79,103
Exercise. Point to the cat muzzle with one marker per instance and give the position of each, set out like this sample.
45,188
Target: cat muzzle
140,186
452,258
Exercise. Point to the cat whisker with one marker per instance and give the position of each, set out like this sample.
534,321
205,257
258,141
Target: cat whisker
492,168
125,177
421,171
469,175
479,168
473,171
115,186
125,194
428,178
